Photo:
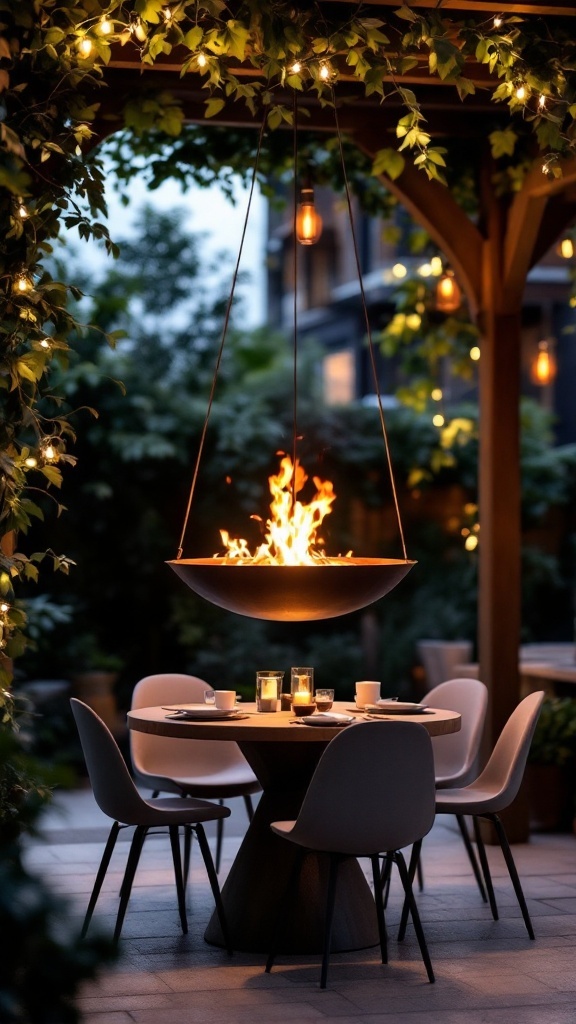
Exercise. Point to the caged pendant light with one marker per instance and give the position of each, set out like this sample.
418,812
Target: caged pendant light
288,578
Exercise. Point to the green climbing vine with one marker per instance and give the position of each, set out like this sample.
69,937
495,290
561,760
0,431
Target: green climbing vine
53,58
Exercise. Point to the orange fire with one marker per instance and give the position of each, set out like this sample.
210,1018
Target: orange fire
292,529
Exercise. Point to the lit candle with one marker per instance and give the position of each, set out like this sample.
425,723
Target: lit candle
302,697
268,688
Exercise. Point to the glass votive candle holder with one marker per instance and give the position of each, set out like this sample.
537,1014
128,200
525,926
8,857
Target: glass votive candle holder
324,699
268,688
302,690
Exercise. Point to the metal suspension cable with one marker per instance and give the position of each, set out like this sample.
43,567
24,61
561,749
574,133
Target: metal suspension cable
222,341
368,329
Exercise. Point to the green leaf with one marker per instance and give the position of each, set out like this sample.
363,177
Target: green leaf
406,13
193,38
213,107
389,162
502,142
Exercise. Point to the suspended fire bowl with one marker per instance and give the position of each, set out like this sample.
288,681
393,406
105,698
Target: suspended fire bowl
292,593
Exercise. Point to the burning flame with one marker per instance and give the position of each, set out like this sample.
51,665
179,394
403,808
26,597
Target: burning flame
293,526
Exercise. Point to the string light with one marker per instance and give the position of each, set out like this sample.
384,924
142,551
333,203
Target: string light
201,60
542,101
48,450
498,21
521,92
296,68
30,462
168,15
566,248
436,394
22,211
399,271
436,266
475,353
325,72
4,607
438,420
471,542
22,283
105,25
85,47
46,343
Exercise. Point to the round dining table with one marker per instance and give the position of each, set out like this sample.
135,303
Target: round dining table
283,754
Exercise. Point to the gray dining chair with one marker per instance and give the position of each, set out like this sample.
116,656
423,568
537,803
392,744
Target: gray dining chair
214,769
492,792
372,793
117,796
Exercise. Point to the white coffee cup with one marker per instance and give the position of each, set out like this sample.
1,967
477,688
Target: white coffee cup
367,692
225,699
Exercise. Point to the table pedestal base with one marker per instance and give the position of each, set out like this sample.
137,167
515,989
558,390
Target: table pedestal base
256,883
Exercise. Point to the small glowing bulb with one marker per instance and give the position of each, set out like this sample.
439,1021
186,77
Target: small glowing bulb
22,211
30,462
436,395
521,92
49,452
45,343
296,68
542,102
438,420
436,267
572,302
471,542
4,607
85,47
22,283
105,26
498,21
420,307
475,353
413,321
324,72
201,60
399,270
425,270
566,248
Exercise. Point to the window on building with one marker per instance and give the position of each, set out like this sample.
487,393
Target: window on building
339,377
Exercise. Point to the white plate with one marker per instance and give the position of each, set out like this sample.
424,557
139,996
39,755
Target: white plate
395,707
198,711
326,719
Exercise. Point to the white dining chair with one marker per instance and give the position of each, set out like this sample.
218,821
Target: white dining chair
215,769
117,796
456,755
372,793
492,792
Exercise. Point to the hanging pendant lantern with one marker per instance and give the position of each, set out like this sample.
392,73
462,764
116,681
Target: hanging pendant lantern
308,220
448,293
288,578
543,370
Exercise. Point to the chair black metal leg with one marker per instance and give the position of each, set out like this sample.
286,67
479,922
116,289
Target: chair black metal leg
406,883
249,806
379,901
512,871
175,844
131,865
283,909
155,793
471,855
385,877
485,868
219,837
330,901
420,873
101,874
213,879
187,854
414,861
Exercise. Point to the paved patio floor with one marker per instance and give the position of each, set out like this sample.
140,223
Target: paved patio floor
487,972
